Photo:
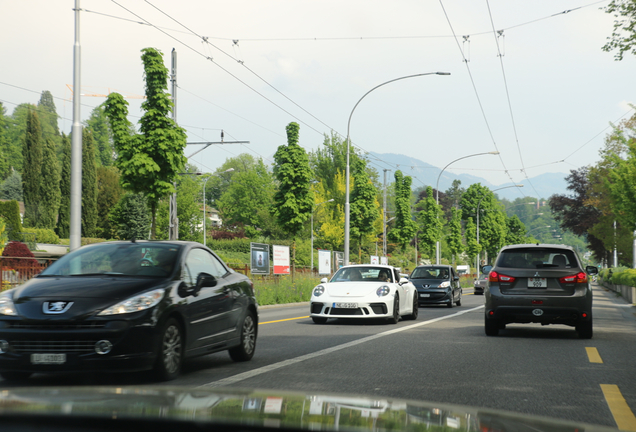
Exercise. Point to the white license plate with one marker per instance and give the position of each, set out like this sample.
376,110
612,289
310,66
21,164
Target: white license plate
345,305
537,283
425,295
48,358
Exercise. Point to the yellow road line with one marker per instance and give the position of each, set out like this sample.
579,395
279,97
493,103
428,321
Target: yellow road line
593,355
286,319
623,416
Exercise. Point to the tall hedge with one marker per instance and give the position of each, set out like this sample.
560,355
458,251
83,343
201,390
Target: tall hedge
10,210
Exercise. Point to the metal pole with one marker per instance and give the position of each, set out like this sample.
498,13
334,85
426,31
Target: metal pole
437,244
205,215
173,231
75,233
346,228
384,218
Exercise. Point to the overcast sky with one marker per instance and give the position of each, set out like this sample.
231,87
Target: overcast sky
542,92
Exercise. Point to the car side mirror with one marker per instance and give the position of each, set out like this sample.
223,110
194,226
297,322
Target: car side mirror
591,270
323,280
403,281
456,278
205,280
184,290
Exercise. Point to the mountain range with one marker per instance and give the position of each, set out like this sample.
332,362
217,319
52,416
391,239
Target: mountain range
425,174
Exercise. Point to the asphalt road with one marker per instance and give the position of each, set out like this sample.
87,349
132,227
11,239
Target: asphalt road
443,357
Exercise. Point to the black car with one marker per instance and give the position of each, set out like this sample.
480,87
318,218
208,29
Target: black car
437,284
539,283
127,306
480,284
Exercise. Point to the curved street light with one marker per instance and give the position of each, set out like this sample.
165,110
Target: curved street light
312,232
478,204
437,246
346,227
205,216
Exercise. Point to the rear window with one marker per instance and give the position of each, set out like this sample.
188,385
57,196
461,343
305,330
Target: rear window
533,258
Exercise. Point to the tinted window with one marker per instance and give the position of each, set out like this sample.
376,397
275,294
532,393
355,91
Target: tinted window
430,273
201,261
533,258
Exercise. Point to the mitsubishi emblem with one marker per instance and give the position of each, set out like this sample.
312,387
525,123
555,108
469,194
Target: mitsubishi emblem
536,274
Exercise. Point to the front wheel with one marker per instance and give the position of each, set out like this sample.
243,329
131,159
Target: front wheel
168,365
459,302
245,351
415,310
396,310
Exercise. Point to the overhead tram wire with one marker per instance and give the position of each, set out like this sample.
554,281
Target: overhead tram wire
512,116
220,67
481,106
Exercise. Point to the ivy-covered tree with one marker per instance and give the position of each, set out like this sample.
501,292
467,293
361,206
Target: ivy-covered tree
150,161
131,217
364,207
89,185
405,227
31,174
294,199
431,221
50,187
63,228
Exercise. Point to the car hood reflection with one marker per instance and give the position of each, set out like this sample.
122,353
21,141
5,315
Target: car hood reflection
268,409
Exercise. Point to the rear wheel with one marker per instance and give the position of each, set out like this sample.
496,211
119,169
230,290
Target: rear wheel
319,320
245,351
492,327
396,310
415,311
584,329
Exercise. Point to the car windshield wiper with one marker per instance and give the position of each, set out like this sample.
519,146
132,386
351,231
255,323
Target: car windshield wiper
98,274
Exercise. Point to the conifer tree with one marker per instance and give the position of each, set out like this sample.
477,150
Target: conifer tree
63,228
89,185
49,187
31,174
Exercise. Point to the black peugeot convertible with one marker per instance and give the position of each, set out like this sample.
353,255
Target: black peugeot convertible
127,306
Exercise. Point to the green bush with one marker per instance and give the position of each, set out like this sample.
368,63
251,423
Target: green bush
623,276
43,235
11,212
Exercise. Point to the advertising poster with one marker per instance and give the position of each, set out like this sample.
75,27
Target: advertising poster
281,259
260,258
384,260
338,260
324,262
375,259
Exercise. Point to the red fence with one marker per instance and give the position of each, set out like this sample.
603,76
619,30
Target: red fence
17,270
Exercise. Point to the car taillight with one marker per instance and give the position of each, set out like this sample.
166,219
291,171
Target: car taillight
498,277
576,278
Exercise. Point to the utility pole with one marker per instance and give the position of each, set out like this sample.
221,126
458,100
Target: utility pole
173,229
76,142
384,217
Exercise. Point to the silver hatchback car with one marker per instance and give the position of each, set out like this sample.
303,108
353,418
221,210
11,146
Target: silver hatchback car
539,283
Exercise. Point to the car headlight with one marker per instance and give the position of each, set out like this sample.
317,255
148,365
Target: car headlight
444,284
319,290
383,290
6,305
135,304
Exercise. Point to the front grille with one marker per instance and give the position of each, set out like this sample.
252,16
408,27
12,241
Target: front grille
75,346
316,308
379,308
338,311
52,326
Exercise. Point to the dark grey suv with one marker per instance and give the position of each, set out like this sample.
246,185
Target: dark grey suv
539,283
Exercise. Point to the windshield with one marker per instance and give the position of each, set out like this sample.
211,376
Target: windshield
362,274
533,258
430,273
126,259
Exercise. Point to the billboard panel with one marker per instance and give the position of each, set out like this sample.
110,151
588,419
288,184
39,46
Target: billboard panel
324,262
260,258
281,259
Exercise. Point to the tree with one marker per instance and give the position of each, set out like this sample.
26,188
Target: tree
63,228
50,187
405,227
89,185
11,188
31,175
516,231
5,166
430,223
16,130
623,36
455,245
97,123
492,220
109,192
364,207
472,247
293,201
10,210
149,162
131,217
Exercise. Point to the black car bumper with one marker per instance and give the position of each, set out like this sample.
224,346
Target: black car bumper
538,314
133,347
434,297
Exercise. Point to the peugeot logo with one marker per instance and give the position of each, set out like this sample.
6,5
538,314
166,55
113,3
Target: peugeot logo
537,312
56,307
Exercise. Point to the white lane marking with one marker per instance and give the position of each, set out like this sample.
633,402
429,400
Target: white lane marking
250,374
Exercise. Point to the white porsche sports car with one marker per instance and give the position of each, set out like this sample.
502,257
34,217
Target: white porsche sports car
364,291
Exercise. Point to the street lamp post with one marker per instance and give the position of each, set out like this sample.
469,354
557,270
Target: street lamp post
478,204
437,245
312,232
346,227
205,216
